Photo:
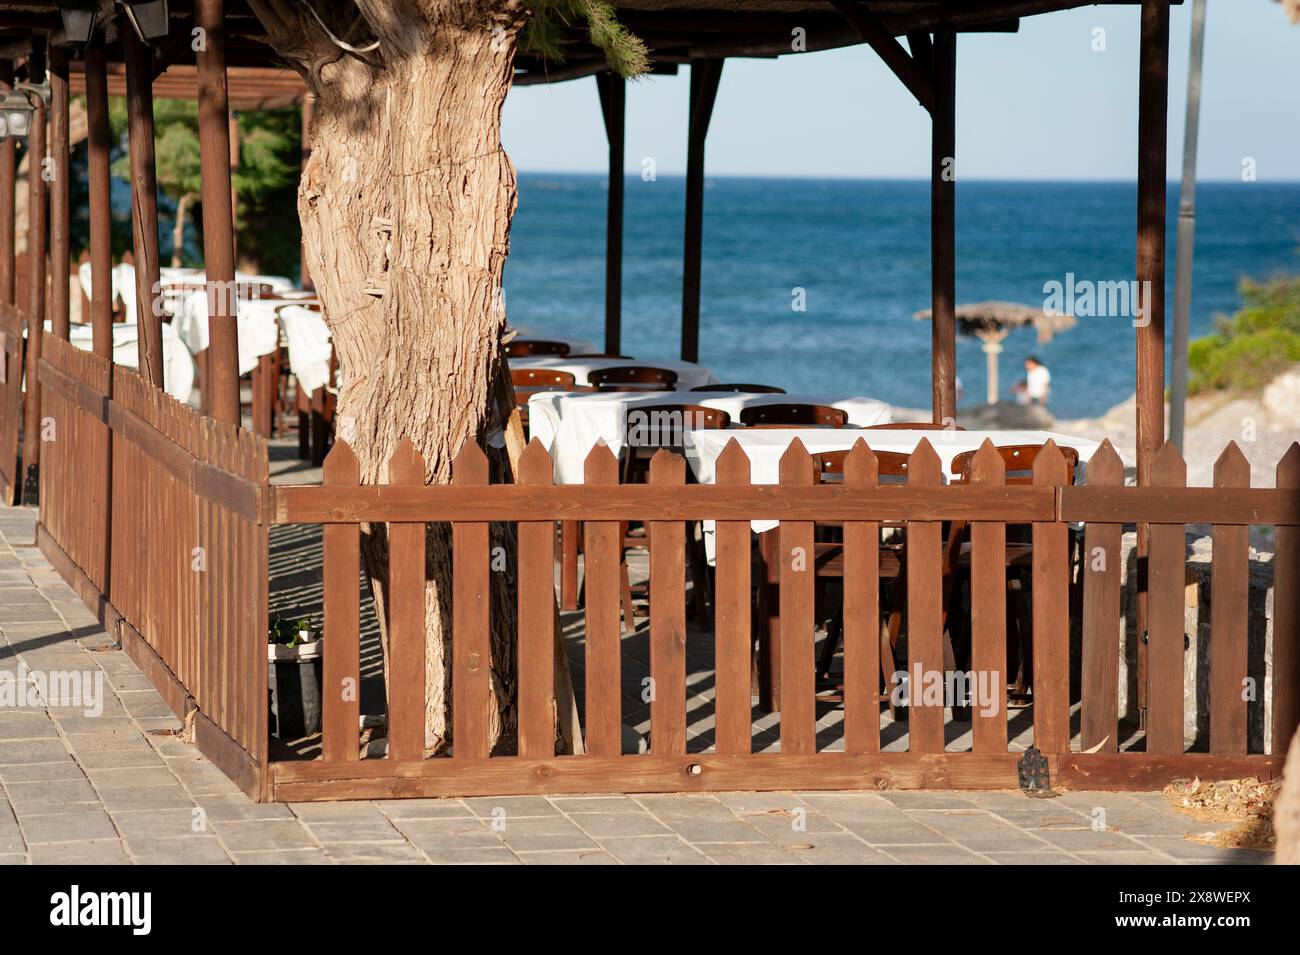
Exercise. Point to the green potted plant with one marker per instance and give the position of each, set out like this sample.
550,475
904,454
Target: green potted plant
294,677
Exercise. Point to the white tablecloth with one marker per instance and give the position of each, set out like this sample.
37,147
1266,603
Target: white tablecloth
309,346
257,327
569,424
765,446
178,363
689,374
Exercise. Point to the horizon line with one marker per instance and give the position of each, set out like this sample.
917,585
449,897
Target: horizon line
634,174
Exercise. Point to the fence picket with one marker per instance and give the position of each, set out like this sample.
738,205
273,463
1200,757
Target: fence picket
1099,708
406,610
341,677
798,576
471,653
924,609
1051,622
733,639
537,729
1166,581
861,618
1286,613
988,587
1229,600
667,618
601,575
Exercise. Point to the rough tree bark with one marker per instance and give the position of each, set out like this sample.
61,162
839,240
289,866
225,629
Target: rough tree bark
406,204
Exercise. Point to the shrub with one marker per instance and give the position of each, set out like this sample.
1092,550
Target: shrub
1248,350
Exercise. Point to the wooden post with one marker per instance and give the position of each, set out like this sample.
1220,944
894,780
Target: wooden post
60,244
100,184
943,275
705,76
222,382
613,105
36,229
1153,110
7,221
144,203
308,108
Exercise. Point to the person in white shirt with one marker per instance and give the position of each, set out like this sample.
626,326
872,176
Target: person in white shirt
1037,384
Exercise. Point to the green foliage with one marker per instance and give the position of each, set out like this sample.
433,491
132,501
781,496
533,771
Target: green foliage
543,33
1248,350
290,632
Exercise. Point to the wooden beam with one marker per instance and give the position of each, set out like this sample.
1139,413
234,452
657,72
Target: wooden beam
613,106
36,236
144,203
874,33
1153,111
943,236
99,187
60,243
308,108
705,77
7,210
218,214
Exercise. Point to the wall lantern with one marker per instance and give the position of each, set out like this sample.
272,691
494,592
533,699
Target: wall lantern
15,115
79,17
149,18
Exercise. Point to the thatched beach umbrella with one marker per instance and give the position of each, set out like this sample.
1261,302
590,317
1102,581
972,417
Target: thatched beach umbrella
991,322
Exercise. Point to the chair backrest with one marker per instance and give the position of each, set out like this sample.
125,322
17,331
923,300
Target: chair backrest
913,426
663,426
633,375
542,379
605,355
1019,460
523,349
794,416
829,466
744,389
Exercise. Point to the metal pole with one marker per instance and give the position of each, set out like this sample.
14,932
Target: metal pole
1186,232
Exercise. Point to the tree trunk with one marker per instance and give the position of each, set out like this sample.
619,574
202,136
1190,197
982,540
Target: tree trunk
178,232
405,205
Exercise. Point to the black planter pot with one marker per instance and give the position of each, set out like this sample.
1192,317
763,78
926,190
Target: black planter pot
294,680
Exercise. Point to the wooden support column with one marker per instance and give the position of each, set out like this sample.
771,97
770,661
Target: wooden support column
36,235
943,274
144,203
613,105
99,186
1153,113
705,76
7,221
308,108
222,381
60,224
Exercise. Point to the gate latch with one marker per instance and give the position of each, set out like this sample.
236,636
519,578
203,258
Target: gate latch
1033,773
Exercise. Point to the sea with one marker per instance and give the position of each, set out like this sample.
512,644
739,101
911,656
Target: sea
812,284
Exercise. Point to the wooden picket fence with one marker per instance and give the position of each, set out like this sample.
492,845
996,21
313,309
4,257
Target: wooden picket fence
860,504
12,354
154,513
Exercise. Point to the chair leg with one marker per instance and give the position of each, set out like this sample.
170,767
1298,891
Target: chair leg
569,566
304,436
701,598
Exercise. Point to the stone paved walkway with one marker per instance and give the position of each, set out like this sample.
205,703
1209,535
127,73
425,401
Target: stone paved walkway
120,787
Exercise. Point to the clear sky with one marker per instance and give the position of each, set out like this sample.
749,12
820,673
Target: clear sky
1038,104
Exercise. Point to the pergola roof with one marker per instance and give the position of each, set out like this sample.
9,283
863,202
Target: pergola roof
676,31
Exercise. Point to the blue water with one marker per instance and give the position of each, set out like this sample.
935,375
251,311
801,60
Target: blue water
860,250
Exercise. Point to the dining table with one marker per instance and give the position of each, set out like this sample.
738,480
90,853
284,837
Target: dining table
570,424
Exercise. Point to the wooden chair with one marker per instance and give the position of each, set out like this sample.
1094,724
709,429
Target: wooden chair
645,377
1018,460
649,429
793,416
743,389
828,564
913,426
529,381
524,349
